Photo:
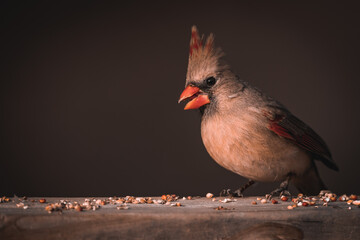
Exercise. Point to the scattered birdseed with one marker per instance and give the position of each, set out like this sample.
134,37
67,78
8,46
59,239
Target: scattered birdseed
20,205
273,201
284,198
209,195
353,197
78,208
176,204
356,202
4,199
226,200
263,201
343,198
253,202
42,200
290,207
189,197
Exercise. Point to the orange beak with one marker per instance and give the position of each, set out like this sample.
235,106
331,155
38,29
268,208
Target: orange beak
198,98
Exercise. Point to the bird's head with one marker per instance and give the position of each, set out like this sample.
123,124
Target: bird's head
204,71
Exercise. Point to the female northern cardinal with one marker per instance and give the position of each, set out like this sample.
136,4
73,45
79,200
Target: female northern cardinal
246,131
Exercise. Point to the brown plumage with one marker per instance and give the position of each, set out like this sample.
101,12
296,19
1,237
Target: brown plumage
246,131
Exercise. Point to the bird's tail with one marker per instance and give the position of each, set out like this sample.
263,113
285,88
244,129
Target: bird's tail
310,183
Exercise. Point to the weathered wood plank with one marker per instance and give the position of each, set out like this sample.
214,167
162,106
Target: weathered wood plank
196,219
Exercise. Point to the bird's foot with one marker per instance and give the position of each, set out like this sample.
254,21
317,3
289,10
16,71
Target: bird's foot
229,193
238,192
282,190
282,193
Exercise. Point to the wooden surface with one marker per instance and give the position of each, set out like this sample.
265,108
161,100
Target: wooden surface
195,219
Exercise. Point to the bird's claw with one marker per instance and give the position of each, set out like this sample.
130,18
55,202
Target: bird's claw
268,196
237,193
285,193
282,193
226,193
229,193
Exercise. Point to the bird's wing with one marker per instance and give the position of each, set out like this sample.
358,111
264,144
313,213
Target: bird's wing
286,125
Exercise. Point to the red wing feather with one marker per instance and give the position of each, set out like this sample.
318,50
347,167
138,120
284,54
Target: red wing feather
293,129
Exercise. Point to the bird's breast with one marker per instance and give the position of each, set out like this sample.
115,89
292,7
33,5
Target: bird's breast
244,145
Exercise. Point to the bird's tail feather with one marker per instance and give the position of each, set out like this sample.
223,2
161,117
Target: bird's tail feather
310,183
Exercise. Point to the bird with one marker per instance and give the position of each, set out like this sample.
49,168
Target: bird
246,131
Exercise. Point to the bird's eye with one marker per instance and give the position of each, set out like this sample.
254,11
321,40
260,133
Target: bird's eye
210,81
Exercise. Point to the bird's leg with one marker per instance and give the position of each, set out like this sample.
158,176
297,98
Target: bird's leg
238,192
283,189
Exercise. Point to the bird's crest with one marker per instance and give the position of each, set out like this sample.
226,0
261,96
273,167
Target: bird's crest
203,56
197,46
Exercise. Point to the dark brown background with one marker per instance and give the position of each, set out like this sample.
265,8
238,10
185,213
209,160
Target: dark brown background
89,91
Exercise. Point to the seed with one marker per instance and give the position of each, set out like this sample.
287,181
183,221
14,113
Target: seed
209,195
78,208
349,202
333,199
259,199
284,198
163,197
253,202
305,204
343,198
42,200
290,207
263,201
19,205
353,197
273,201
356,202
312,203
